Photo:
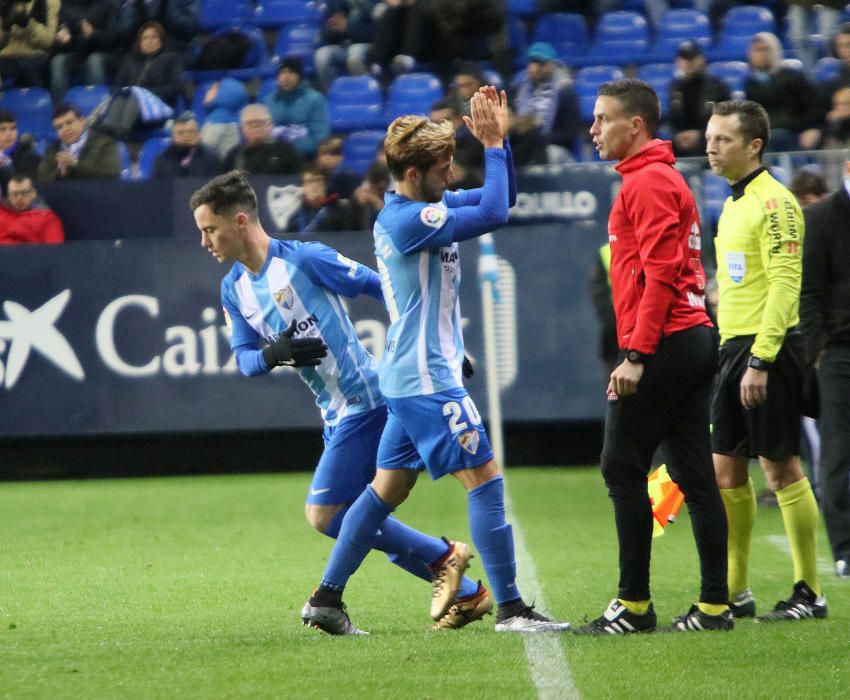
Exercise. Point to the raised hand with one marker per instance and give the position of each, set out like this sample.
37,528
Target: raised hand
499,100
484,123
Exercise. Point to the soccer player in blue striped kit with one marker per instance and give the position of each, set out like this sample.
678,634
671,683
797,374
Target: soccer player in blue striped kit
285,295
433,422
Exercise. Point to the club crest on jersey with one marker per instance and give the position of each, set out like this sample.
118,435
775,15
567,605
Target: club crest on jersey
433,217
286,298
469,441
736,266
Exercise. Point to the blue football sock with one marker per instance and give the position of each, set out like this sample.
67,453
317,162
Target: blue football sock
356,537
406,548
493,538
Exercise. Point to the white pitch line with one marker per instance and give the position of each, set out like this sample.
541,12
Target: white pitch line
781,542
546,660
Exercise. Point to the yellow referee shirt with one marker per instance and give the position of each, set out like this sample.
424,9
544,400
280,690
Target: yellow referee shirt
759,248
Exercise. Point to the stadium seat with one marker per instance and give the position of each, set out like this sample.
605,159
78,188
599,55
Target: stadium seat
359,150
126,163
587,83
733,73
622,35
522,8
86,97
355,103
150,150
739,25
518,40
677,26
565,32
715,190
267,87
198,100
273,14
300,40
413,93
660,77
826,69
33,109
224,13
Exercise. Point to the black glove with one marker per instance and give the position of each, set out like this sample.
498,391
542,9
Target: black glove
467,369
294,352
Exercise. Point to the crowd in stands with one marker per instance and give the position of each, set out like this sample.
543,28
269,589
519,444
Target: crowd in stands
196,87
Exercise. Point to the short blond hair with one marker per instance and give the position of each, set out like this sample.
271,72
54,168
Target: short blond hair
417,142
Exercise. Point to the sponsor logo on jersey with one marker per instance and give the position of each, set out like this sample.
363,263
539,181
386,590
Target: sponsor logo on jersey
469,441
285,298
771,204
433,217
736,266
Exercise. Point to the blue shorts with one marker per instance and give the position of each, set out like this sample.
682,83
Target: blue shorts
348,462
441,432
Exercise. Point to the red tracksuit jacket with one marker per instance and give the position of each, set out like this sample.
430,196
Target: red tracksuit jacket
657,279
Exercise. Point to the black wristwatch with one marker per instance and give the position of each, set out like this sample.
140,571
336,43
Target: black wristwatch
758,363
636,356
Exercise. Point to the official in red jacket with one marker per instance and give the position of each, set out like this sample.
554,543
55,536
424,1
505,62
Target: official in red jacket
659,392
24,218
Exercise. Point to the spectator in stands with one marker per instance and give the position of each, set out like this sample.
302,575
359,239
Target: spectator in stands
222,103
691,94
468,79
329,159
88,32
786,94
315,198
808,185
186,155
546,96
181,19
26,35
438,32
528,144
807,19
80,153
260,153
25,218
151,66
358,213
17,155
347,35
299,108
468,163
836,131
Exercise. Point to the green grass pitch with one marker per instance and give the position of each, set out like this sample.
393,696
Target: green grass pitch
192,587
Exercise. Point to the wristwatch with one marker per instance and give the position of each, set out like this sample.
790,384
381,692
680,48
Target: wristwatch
758,363
636,356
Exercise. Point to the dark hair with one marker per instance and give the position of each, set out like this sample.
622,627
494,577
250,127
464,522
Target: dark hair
151,24
6,117
378,173
21,178
227,194
808,180
755,124
637,98
185,117
63,108
312,169
470,68
446,103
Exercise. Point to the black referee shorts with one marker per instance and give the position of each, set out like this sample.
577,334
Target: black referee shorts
771,429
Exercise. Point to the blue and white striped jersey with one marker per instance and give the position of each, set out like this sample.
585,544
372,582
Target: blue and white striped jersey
419,264
302,282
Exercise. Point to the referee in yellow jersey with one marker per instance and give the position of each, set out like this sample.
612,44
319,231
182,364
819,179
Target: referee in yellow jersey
755,406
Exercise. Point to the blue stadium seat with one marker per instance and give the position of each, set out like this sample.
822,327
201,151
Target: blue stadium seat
587,83
298,40
150,150
826,69
359,150
522,8
565,32
413,93
86,97
267,87
355,103
518,40
224,13
273,14
677,26
733,73
33,109
715,190
660,77
622,35
739,25
198,100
